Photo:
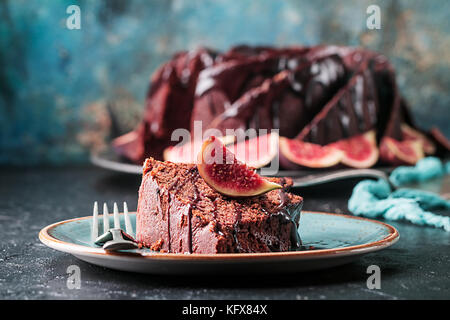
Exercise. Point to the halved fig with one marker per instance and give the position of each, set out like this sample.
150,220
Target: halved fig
223,172
359,151
187,153
401,152
309,154
412,134
258,151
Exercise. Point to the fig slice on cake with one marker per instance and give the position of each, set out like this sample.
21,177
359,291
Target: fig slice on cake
224,173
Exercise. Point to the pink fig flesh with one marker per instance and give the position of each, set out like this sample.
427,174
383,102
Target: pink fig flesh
412,134
401,152
309,154
223,172
187,152
258,151
359,151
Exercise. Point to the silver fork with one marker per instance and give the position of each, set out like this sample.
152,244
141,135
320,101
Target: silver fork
113,239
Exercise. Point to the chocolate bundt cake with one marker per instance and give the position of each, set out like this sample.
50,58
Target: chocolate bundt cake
178,212
320,95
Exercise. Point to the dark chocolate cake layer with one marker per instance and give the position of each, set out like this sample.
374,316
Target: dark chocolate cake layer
178,212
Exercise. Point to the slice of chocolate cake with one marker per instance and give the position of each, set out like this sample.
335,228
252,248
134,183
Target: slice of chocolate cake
178,212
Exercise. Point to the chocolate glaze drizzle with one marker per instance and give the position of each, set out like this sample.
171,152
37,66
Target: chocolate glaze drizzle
285,216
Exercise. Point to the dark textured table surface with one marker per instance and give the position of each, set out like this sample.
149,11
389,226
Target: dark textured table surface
416,267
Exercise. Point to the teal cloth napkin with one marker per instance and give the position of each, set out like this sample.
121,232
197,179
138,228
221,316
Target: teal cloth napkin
375,198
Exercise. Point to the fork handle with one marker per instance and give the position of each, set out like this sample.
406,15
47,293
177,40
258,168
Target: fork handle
316,179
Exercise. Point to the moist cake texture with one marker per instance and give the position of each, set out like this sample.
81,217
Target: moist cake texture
178,212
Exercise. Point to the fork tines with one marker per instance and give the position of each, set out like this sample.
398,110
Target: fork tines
95,224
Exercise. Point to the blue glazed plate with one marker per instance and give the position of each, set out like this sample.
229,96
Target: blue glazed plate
330,240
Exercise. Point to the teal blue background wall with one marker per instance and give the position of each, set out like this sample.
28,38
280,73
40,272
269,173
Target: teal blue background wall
58,87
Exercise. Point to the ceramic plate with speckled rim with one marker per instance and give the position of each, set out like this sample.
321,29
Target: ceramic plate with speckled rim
330,239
